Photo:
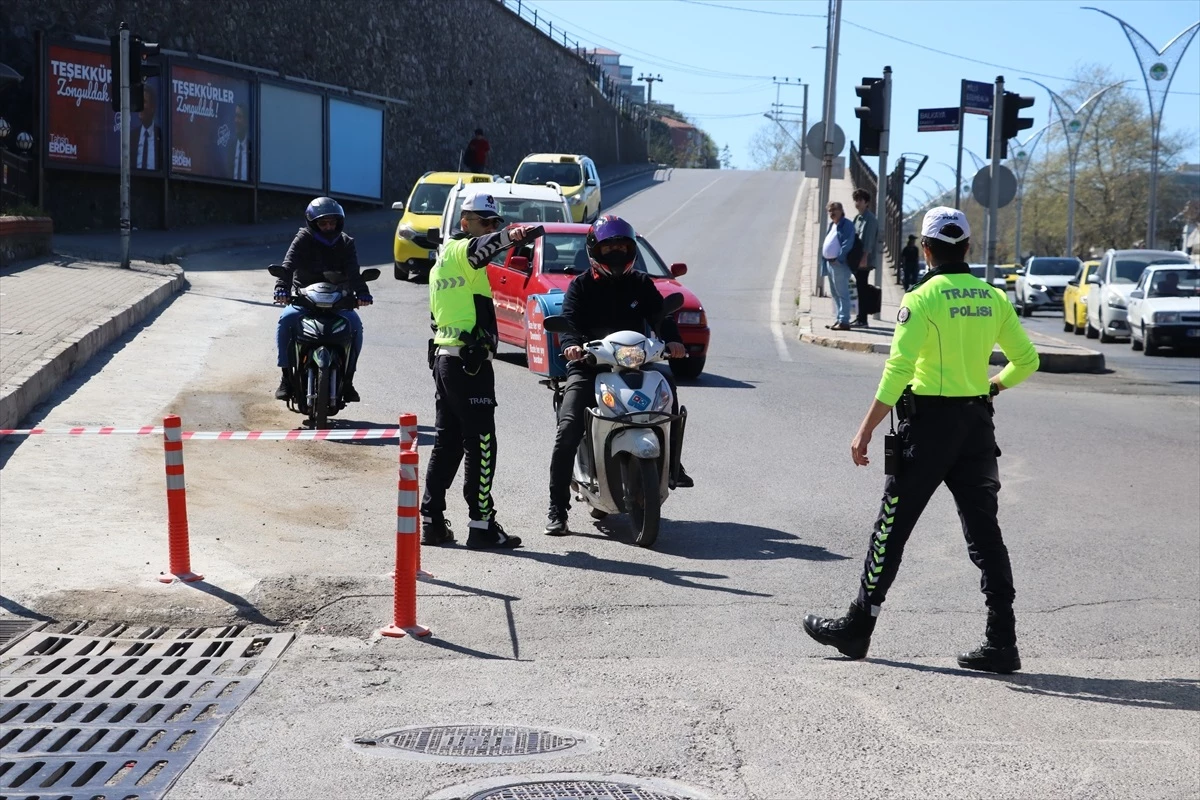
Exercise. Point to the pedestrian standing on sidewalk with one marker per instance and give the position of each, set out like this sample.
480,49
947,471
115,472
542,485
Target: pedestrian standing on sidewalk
838,269
864,255
910,258
937,378
460,355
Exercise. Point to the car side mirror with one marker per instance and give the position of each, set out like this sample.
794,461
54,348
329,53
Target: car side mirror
519,263
277,271
434,235
397,206
1094,280
1021,271
371,274
678,270
1073,282
557,324
590,182
1137,294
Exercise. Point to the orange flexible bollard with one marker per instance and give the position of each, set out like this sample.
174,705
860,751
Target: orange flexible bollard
177,522
408,544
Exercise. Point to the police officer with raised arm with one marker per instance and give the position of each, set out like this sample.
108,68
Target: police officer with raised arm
937,380
460,354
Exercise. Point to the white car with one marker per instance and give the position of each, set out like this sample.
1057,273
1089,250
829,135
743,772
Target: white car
1109,286
1164,308
1041,283
518,203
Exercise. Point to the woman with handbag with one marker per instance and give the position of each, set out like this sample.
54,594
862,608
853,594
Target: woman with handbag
836,250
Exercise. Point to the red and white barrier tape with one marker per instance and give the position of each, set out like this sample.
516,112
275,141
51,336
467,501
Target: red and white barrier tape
352,434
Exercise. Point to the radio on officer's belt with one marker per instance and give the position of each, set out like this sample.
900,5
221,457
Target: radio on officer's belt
891,454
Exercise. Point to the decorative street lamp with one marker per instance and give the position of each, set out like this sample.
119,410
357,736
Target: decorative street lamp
1158,70
24,142
5,129
1022,157
1074,123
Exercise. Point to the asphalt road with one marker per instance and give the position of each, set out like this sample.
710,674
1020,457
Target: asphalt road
686,662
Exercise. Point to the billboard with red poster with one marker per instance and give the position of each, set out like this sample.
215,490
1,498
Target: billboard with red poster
211,131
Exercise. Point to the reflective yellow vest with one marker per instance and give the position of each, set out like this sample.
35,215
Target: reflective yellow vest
453,286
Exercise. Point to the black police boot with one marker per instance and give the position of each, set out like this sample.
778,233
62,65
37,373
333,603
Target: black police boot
485,535
683,480
556,522
998,652
284,392
435,532
850,635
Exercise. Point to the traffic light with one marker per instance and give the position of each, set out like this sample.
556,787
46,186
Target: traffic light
1013,123
870,115
143,64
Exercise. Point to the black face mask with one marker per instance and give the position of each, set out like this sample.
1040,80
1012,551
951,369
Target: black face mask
617,260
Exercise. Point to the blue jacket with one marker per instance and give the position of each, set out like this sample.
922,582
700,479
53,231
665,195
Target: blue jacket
845,234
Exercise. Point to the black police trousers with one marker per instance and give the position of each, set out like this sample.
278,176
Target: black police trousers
466,427
949,441
579,395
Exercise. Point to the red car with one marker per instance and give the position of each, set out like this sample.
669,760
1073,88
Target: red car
551,261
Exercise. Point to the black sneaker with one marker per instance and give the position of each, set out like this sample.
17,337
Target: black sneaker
683,480
436,532
284,392
486,535
850,635
556,523
858,323
991,658
349,394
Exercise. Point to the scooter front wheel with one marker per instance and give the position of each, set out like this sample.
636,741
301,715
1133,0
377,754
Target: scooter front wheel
642,499
320,415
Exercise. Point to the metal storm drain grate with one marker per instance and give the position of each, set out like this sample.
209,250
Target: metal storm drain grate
119,712
469,742
13,629
575,790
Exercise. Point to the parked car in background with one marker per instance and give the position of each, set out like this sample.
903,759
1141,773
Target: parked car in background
1075,299
980,271
574,173
1009,273
1164,308
413,252
550,262
1041,283
1109,287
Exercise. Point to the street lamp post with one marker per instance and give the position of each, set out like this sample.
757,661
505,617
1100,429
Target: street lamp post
1021,159
1074,123
1158,70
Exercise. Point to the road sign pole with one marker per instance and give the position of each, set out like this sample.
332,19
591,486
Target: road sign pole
994,201
125,224
882,187
962,123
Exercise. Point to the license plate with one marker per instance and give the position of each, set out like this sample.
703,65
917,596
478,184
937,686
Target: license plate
1194,333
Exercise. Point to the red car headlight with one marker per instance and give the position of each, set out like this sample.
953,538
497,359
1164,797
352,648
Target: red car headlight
691,318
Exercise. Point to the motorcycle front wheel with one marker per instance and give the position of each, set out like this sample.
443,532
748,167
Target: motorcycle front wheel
320,415
642,500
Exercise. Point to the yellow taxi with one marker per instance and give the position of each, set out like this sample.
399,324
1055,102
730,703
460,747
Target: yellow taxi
574,174
413,253
1009,273
1075,299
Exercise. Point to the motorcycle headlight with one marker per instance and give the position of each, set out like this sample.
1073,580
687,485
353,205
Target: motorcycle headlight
631,356
690,318
1161,317
1116,301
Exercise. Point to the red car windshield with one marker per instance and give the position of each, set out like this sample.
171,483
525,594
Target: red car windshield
565,253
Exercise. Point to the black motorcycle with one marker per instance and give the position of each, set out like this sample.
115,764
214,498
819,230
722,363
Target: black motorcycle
320,351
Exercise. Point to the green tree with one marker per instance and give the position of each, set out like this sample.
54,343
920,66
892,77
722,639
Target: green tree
727,158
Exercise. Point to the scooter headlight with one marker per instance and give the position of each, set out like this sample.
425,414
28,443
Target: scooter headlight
631,356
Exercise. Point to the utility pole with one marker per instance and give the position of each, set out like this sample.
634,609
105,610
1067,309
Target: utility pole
829,108
993,216
650,79
126,225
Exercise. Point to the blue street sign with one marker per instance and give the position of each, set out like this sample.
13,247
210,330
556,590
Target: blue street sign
937,119
977,97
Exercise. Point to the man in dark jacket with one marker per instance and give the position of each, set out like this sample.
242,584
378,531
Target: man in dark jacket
319,247
611,296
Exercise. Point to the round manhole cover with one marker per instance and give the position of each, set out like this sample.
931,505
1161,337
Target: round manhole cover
574,790
472,742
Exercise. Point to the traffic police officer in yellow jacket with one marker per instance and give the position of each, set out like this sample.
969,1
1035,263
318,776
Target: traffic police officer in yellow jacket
937,379
460,355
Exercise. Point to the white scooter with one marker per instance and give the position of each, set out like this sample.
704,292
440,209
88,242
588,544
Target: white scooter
632,440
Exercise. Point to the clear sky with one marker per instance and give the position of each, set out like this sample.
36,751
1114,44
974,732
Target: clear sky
717,62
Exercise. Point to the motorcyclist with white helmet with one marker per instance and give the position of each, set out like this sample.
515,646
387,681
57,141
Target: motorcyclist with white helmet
611,296
320,246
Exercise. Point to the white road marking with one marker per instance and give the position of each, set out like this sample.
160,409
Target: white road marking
682,206
777,290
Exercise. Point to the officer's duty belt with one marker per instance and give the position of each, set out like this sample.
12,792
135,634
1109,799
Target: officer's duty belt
454,351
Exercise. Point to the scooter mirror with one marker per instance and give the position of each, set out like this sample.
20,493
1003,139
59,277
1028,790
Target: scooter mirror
277,271
370,274
672,303
557,324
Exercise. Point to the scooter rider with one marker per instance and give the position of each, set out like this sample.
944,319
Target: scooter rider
460,355
320,246
611,296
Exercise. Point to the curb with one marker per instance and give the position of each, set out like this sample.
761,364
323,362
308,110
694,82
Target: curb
1049,360
41,378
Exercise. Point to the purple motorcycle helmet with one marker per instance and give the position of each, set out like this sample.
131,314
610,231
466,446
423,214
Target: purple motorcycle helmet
613,230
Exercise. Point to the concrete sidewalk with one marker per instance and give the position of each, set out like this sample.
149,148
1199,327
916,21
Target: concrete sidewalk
814,313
